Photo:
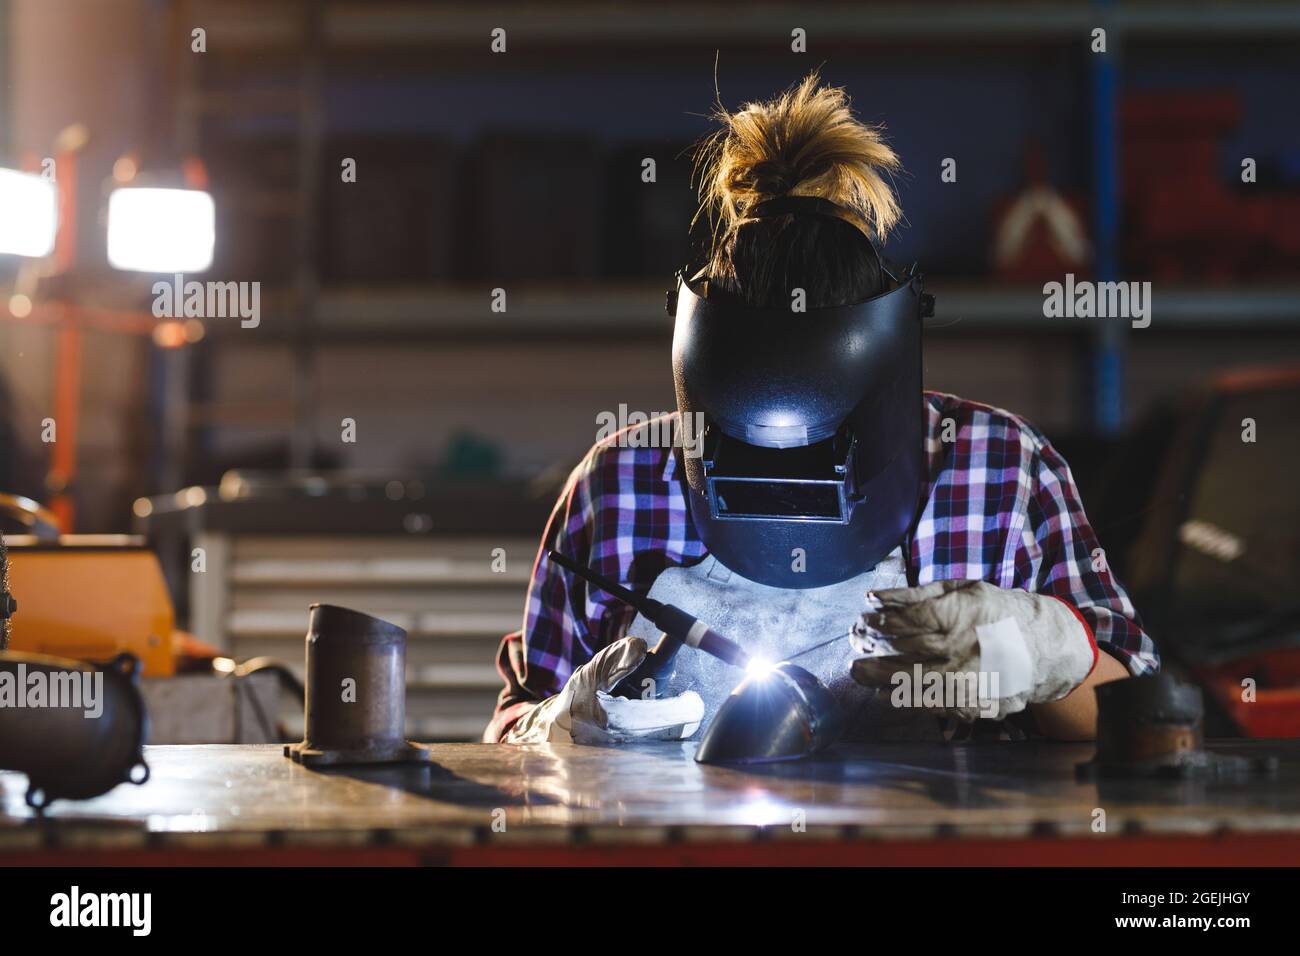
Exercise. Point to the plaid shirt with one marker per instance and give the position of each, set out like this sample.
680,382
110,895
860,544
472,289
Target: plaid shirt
1000,506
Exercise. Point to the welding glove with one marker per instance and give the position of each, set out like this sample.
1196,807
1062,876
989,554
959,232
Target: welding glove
1012,647
584,712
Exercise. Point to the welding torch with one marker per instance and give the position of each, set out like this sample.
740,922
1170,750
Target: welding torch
678,627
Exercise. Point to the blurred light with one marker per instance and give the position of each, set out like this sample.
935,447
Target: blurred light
764,812
759,667
142,507
1211,540
124,169
195,172
415,523
190,497
20,306
72,139
224,665
169,334
29,214
194,330
161,230
232,487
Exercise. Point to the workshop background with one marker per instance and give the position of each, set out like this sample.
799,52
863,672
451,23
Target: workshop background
522,171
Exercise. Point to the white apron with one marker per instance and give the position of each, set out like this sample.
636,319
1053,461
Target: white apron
808,627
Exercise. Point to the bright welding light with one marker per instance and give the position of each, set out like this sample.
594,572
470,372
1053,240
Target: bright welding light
29,214
759,667
161,230
763,812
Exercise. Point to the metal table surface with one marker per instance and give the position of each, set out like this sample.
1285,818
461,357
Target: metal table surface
984,802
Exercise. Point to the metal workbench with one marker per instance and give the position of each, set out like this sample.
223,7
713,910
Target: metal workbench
978,803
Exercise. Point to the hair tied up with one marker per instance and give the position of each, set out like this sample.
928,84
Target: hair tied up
805,142
772,177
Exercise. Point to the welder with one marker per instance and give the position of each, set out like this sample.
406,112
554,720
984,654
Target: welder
835,514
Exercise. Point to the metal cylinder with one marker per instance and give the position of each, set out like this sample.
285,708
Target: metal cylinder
1149,718
782,713
76,730
1153,726
355,708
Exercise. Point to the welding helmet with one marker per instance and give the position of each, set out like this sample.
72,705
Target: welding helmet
809,466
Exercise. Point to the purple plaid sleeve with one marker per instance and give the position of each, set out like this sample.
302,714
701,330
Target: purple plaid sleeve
622,514
1000,506
1064,559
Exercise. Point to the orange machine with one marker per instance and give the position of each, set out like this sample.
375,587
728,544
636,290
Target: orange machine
91,597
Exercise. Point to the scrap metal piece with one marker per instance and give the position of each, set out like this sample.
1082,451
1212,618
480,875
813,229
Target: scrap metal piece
355,707
778,713
1153,727
76,730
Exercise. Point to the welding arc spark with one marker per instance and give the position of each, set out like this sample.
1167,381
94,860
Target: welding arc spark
809,650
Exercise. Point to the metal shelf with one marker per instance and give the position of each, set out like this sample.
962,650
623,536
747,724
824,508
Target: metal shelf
1182,307
254,32
357,26
637,309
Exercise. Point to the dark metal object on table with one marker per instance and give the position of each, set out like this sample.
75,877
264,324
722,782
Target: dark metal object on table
781,713
1154,727
364,721
88,744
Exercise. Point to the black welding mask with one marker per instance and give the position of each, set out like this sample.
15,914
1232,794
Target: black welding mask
808,467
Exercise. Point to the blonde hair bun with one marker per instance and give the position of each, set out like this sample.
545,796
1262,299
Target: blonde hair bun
805,142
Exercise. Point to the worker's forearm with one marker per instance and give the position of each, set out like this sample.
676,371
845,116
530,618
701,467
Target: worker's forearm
1074,716
505,720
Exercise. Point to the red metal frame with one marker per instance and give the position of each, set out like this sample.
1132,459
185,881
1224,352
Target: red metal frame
1225,848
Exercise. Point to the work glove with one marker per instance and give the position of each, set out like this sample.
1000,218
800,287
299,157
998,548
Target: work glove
1013,647
584,712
